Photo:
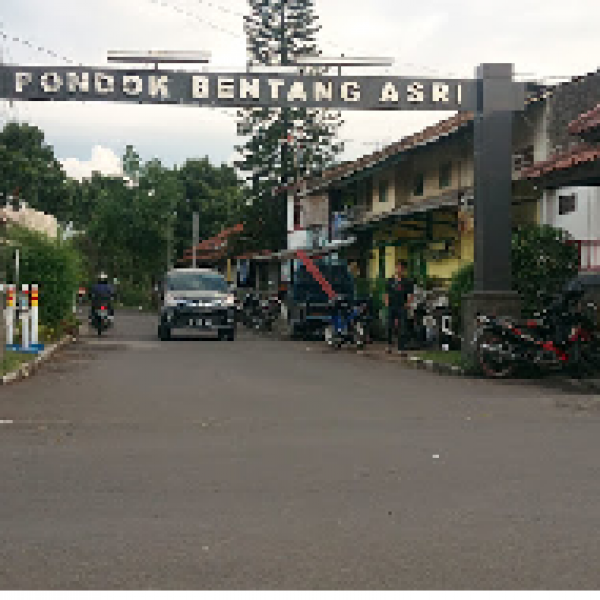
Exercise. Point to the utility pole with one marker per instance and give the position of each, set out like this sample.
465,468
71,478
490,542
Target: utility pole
3,283
195,235
285,115
285,145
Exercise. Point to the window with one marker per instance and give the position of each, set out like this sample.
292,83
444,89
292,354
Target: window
383,191
566,204
522,159
419,185
445,174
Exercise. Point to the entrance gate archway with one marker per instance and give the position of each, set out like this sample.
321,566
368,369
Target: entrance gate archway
493,96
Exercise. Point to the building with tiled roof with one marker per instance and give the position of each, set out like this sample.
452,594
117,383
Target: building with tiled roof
413,199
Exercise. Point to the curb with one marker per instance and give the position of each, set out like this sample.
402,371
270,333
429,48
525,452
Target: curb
28,369
567,383
416,362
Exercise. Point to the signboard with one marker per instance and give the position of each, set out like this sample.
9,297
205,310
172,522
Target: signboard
236,89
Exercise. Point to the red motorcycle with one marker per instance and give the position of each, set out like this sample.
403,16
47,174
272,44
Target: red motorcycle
562,337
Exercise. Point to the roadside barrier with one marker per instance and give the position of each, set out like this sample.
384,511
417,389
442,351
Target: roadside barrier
27,311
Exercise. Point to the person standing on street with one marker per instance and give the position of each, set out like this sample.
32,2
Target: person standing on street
398,295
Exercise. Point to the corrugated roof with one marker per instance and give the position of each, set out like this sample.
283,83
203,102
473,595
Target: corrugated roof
585,122
426,136
582,153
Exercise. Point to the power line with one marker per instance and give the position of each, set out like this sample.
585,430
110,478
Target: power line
34,46
195,16
228,11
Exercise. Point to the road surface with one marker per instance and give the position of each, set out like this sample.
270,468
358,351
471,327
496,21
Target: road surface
128,463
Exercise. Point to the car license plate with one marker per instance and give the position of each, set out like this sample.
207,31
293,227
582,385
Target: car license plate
200,323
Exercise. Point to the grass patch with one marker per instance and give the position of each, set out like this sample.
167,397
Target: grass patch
12,360
453,358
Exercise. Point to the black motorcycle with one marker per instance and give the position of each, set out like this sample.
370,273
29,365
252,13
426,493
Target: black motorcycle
250,310
561,337
101,318
260,314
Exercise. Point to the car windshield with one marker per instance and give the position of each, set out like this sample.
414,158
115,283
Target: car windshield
196,282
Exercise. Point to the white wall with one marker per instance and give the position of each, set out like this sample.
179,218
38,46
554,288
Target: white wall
584,222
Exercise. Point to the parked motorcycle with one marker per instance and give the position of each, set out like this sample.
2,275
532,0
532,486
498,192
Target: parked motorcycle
349,323
260,314
270,309
250,310
561,337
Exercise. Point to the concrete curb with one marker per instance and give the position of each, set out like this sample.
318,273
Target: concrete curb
416,362
28,369
566,383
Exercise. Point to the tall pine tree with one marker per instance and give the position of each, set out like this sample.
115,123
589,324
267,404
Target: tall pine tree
282,144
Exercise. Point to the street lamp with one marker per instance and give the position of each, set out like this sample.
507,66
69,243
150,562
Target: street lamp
343,61
157,57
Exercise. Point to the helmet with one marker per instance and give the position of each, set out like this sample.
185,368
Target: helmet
103,278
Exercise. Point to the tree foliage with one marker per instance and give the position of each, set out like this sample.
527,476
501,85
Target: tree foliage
30,172
281,144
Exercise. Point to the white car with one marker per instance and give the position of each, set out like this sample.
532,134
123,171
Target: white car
197,300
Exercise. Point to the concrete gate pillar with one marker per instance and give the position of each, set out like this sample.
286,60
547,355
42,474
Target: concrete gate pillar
497,98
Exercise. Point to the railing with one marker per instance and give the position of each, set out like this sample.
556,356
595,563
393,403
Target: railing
589,254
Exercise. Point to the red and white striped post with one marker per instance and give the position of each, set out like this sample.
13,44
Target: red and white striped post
25,316
34,315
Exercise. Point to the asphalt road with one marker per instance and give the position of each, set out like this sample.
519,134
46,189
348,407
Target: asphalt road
127,463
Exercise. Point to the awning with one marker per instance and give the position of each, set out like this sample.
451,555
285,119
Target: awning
449,200
330,248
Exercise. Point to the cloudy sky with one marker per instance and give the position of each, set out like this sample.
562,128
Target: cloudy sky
545,39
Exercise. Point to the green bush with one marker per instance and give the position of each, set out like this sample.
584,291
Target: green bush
134,296
542,261
52,264
462,283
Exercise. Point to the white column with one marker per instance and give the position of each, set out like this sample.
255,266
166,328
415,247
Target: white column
25,316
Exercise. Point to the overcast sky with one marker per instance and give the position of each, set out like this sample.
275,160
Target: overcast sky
543,38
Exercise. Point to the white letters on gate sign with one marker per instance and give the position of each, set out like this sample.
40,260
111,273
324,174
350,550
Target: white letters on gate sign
323,91
51,82
275,85
200,87
250,88
132,85
350,91
104,84
389,93
75,82
159,86
441,92
459,93
22,79
226,89
415,92
297,92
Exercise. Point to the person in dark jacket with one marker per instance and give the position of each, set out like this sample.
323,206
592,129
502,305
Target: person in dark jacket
398,295
102,293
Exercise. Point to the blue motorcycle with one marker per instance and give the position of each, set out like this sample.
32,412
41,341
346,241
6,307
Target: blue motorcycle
349,323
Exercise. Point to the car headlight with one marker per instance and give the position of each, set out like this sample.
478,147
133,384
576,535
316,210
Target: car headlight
171,301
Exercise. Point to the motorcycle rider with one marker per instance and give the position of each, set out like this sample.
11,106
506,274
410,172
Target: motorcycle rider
399,291
102,293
